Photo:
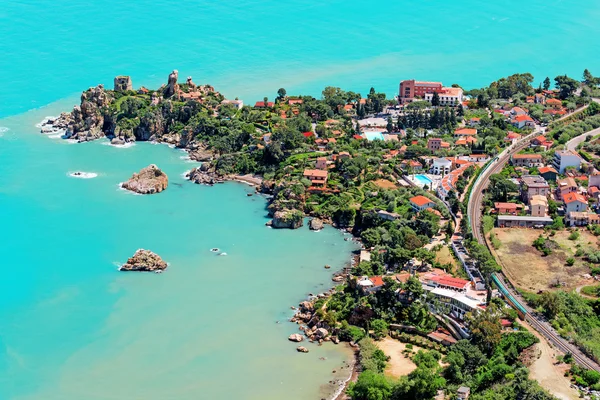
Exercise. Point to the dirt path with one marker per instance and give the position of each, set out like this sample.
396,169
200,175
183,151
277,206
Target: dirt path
550,375
399,364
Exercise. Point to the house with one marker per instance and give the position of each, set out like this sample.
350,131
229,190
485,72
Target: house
448,182
261,104
594,192
538,206
564,159
575,218
420,203
532,185
434,144
515,111
463,393
522,121
518,221
541,141
574,202
441,166
446,281
474,121
449,96
411,89
370,284
527,160
235,103
594,179
554,104
505,208
478,158
465,132
465,141
548,173
565,186
343,155
389,216
317,177
512,137
321,163
412,164
539,98
292,102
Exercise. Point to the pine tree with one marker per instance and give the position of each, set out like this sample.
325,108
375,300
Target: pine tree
546,83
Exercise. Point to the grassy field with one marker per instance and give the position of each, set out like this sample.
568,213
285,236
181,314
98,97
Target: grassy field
444,256
530,270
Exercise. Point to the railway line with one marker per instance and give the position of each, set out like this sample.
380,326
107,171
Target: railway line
474,213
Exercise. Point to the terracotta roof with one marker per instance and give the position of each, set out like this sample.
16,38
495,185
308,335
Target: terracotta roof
450,281
507,206
520,118
377,280
593,190
466,132
543,170
315,173
420,201
308,134
357,137
527,156
554,101
571,197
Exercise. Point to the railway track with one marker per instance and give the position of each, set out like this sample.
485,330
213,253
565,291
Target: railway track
474,213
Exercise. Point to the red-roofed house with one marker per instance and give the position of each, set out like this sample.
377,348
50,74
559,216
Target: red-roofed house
308,134
294,101
317,177
512,137
358,137
474,121
370,284
321,163
523,121
261,104
446,281
465,132
420,203
574,202
548,173
556,104
505,208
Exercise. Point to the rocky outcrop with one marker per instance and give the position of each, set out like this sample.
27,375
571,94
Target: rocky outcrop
88,118
144,260
315,224
190,83
301,349
122,83
149,180
151,127
296,337
172,87
290,219
203,175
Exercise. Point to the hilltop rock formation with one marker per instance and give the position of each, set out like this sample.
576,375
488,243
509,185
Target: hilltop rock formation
144,260
149,180
172,85
287,219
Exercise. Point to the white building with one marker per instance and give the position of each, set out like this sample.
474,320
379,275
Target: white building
564,159
449,96
441,166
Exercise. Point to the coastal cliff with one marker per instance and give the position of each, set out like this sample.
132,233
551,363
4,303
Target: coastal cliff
149,180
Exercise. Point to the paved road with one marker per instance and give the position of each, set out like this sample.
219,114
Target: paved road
474,213
573,143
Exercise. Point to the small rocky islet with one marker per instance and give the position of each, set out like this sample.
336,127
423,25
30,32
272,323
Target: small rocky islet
149,180
144,261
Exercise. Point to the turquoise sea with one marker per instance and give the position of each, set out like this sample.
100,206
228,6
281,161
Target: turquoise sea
71,326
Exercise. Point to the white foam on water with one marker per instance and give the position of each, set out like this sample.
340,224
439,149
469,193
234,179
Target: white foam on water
120,187
57,136
119,146
184,175
82,175
44,121
3,130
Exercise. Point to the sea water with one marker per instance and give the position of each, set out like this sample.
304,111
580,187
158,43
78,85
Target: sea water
213,327
71,325
250,48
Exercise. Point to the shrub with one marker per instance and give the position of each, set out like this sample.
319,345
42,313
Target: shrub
574,235
570,261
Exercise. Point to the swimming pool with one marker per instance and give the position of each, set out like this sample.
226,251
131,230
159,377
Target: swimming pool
374,136
423,180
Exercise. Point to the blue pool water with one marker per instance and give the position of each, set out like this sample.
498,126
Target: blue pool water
423,180
374,136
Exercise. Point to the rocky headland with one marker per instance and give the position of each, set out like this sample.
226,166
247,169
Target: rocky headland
149,180
144,260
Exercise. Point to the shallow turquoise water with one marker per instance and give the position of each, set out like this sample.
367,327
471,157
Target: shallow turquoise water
73,327
250,48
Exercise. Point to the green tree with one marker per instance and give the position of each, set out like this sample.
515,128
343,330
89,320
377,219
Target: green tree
566,85
435,99
380,328
588,78
547,83
281,93
370,386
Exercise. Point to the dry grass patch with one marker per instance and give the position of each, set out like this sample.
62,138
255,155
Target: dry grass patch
385,184
444,256
530,270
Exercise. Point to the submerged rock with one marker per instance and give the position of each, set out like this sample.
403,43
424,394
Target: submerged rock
144,260
149,180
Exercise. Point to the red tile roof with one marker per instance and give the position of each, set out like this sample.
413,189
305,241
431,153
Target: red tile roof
543,170
466,132
520,118
571,197
308,134
506,206
420,201
377,280
358,137
450,281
